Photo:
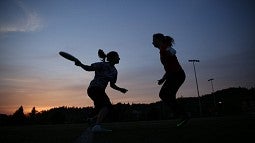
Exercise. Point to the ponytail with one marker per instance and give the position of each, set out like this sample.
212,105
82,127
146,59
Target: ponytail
102,55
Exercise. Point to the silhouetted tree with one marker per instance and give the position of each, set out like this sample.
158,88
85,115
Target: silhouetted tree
32,116
19,116
33,112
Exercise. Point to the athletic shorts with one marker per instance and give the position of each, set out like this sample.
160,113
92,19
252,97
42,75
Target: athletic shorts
99,97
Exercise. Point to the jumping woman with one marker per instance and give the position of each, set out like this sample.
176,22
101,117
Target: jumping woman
105,72
174,75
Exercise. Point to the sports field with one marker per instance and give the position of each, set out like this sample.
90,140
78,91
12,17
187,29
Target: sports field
198,130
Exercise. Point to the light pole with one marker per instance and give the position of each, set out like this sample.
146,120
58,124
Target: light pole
199,102
214,101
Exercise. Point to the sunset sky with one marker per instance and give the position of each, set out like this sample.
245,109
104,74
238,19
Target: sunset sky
219,33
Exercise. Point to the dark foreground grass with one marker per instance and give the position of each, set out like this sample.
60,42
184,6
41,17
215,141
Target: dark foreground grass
198,130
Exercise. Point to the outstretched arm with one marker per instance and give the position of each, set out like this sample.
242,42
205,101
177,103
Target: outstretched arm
85,67
114,86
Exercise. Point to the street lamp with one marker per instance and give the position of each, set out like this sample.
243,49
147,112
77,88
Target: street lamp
193,62
214,101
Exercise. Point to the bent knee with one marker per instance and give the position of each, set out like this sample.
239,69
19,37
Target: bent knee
167,98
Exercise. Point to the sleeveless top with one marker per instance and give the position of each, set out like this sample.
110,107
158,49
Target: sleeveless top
170,61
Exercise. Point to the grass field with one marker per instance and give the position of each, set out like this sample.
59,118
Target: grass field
198,130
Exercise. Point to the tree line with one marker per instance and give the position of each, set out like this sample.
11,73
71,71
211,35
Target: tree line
231,101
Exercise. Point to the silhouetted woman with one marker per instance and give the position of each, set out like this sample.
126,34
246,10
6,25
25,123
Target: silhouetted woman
104,72
174,75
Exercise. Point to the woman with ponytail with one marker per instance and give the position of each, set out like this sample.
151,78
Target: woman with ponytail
173,78
105,72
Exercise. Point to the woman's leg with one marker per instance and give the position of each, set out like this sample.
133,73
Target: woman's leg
168,93
102,114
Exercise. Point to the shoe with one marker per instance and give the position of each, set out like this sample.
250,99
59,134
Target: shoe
182,122
98,128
